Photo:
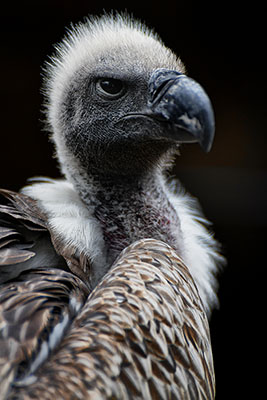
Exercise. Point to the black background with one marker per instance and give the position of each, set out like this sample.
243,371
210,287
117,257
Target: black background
223,47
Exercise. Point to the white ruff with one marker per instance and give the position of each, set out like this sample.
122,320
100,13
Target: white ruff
69,219
74,224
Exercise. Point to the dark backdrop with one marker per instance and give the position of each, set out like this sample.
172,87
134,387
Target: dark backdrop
223,48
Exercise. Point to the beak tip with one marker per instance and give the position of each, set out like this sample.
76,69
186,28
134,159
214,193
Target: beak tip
206,145
207,137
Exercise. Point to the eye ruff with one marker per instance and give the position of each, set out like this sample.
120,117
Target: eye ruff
110,88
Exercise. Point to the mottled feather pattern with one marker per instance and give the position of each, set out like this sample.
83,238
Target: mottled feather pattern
25,209
11,251
15,217
25,242
35,311
142,334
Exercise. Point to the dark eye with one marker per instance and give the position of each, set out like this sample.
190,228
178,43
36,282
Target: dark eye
110,88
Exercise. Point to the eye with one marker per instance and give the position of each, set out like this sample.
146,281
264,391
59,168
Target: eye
110,88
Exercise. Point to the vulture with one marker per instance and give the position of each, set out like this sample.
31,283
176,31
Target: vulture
108,275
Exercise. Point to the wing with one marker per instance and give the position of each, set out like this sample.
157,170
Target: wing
27,242
141,334
36,309
39,296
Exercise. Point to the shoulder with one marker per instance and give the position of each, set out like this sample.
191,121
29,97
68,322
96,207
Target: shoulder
25,242
70,221
67,215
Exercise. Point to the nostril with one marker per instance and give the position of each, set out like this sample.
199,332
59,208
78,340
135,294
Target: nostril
156,95
159,83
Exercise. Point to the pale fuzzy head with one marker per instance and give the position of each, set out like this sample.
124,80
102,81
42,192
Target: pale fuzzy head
109,45
111,42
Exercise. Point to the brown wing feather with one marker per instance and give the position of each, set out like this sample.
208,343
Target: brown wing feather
142,334
17,221
25,209
25,240
30,310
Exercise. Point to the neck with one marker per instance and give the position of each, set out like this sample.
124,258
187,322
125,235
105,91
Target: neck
130,208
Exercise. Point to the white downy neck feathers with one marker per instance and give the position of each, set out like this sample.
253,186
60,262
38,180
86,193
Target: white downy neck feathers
74,224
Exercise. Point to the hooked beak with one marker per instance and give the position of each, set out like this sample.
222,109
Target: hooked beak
182,106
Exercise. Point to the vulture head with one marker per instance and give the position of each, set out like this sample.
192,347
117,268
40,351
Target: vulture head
119,102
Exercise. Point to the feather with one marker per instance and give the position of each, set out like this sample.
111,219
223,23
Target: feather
125,338
25,242
35,312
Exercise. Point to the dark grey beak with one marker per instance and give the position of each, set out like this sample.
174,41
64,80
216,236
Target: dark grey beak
181,104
